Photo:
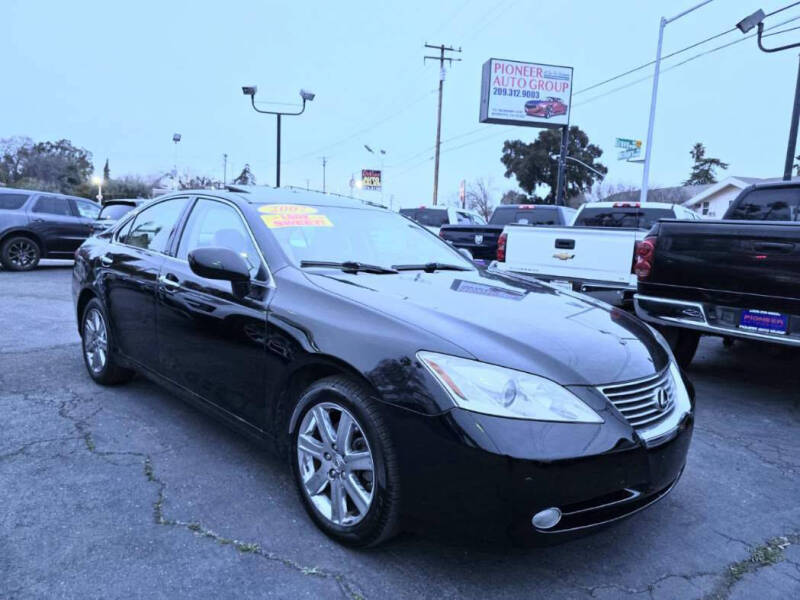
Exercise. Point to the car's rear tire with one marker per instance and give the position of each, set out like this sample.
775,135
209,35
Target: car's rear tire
20,253
97,347
683,343
344,463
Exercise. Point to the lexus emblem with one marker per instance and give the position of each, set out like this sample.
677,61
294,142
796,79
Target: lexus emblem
478,239
661,398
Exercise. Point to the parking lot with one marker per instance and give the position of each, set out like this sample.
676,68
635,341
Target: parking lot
127,491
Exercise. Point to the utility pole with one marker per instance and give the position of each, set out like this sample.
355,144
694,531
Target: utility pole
656,72
225,169
324,164
441,58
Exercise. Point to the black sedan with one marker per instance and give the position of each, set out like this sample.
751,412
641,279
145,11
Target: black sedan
407,387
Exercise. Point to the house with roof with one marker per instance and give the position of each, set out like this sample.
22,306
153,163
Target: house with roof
714,200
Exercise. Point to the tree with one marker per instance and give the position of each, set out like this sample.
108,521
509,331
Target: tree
479,199
514,197
54,166
703,170
198,182
106,172
246,177
532,166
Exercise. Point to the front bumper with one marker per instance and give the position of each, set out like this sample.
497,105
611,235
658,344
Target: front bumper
487,476
708,318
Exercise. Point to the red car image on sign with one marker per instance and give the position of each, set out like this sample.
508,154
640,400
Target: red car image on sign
545,108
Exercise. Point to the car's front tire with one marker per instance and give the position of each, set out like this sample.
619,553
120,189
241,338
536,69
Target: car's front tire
682,342
344,463
97,347
20,253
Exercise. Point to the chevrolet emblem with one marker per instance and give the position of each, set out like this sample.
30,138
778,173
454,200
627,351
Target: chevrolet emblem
563,256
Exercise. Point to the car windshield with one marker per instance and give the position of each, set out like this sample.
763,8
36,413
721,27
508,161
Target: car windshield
369,236
115,211
430,217
768,204
633,217
535,216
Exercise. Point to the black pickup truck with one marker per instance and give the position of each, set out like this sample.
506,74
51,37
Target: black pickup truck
735,278
481,240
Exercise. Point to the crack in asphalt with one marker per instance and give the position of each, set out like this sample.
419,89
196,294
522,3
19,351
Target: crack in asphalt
765,555
81,425
784,465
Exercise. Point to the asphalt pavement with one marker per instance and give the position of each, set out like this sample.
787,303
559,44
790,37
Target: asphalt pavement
128,492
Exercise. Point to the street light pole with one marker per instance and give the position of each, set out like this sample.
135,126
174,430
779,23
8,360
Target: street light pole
656,72
305,95
580,162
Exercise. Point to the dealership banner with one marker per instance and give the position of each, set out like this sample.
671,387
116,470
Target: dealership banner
370,179
523,93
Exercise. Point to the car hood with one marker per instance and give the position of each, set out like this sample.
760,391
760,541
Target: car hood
511,321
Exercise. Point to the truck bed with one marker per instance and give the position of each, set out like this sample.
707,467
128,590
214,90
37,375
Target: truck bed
749,264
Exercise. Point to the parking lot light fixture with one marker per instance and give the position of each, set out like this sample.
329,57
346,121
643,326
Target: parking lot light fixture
98,181
305,95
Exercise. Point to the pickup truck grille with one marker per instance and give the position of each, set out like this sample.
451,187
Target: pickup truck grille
638,401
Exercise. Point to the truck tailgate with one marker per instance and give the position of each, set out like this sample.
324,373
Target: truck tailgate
736,257
600,255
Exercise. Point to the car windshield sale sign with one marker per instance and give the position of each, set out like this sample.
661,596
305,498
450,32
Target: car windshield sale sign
522,93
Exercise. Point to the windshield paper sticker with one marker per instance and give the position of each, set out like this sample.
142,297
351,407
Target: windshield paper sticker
296,220
287,209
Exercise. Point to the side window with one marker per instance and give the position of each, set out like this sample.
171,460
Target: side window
464,218
152,227
12,201
52,205
88,210
124,230
216,224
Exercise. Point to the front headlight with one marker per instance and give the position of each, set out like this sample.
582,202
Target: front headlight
493,390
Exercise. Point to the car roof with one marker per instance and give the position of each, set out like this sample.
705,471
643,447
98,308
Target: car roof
258,194
775,184
629,205
8,190
525,205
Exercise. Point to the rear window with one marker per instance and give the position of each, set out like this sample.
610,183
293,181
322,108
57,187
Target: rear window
115,211
630,217
526,216
768,204
429,217
12,201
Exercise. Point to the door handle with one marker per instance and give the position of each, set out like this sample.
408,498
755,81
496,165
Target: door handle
169,281
773,246
563,244
107,260
38,220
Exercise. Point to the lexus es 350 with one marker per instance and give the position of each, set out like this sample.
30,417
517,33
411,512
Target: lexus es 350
407,387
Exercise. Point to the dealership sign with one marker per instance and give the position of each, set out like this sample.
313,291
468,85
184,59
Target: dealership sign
520,93
370,179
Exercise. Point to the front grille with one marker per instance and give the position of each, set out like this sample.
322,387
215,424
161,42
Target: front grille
637,401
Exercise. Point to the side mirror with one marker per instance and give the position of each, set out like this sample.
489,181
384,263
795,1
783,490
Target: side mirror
219,263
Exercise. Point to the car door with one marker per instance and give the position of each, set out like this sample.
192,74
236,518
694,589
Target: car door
87,212
212,334
56,223
129,277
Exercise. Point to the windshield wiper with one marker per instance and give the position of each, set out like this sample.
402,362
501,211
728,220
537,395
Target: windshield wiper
349,266
431,267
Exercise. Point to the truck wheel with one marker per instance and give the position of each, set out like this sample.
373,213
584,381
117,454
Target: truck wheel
683,343
20,253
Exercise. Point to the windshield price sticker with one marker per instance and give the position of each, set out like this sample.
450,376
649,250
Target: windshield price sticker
287,209
296,220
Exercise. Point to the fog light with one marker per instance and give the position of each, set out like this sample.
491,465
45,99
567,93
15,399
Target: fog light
547,518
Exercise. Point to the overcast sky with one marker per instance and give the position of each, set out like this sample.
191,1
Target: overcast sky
119,78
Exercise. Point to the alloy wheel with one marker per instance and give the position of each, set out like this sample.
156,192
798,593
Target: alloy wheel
22,253
336,464
95,340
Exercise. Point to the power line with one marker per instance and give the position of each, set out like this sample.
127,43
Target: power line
775,12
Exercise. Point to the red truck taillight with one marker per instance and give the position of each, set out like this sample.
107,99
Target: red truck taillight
644,257
501,247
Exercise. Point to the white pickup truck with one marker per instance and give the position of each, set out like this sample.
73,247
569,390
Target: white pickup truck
595,255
